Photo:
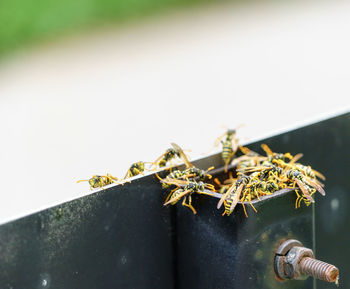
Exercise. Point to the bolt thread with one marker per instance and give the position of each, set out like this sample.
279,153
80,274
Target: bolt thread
319,269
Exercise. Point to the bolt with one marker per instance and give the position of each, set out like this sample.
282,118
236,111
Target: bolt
294,261
319,269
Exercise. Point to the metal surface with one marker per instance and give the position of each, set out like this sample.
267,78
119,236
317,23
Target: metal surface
325,146
124,238
237,252
118,238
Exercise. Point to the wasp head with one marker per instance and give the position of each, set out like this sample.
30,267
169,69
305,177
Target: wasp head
95,181
201,186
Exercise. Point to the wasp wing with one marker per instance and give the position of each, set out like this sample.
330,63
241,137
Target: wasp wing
224,196
292,161
236,197
304,190
183,155
267,150
177,182
318,174
178,197
317,186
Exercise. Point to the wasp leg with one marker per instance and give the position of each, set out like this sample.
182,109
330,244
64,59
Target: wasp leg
296,201
250,202
245,212
225,213
300,202
189,205
242,201
228,160
257,195
128,175
216,181
158,177
282,185
124,181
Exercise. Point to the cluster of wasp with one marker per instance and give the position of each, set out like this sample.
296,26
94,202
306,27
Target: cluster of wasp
250,176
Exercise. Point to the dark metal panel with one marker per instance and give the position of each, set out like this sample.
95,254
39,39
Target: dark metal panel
216,252
118,238
326,146
235,251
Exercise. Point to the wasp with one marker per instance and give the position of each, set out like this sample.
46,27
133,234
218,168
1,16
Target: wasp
173,175
302,198
170,154
272,171
264,171
229,143
248,152
176,174
231,198
309,172
274,157
196,172
248,160
258,188
268,187
189,173
135,169
245,165
303,182
100,181
252,189
227,184
185,192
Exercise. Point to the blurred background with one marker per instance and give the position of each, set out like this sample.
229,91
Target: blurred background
89,87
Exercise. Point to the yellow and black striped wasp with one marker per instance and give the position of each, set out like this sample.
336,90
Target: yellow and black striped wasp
182,155
268,187
223,187
193,172
136,169
100,181
231,198
248,160
273,165
230,144
177,173
264,171
187,174
309,172
303,183
275,157
173,175
170,154
302,197
185,190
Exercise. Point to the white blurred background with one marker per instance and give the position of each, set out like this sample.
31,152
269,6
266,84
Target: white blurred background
96,103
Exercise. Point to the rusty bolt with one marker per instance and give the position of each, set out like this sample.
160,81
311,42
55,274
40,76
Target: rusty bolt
294,261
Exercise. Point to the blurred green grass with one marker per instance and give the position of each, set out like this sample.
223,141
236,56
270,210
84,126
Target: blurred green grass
24,22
